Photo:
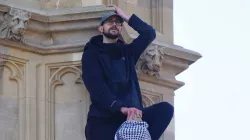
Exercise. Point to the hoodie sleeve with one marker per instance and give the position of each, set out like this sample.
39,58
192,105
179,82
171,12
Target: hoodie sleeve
146,36
96,85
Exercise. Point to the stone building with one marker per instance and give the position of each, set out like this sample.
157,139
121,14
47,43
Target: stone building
42,96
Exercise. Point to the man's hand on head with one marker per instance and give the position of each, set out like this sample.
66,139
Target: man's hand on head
131,112
120,12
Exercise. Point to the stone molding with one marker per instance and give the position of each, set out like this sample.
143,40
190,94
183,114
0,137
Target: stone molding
161,81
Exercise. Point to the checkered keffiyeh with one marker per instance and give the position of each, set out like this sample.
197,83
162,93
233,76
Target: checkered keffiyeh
133,130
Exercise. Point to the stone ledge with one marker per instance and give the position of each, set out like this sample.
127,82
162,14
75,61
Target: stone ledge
175,50
160,81
61,14
39,49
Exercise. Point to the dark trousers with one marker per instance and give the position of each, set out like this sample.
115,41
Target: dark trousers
158,117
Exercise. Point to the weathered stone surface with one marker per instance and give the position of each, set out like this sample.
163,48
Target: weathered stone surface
69,121
8,118
67,4
60,4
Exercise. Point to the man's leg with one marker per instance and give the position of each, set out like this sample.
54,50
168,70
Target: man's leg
158,117
101,129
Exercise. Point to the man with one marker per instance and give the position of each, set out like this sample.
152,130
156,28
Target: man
108,66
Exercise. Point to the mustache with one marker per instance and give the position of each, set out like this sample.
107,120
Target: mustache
113,28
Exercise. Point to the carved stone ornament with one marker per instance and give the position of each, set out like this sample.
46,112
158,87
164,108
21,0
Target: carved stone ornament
14,24
151,61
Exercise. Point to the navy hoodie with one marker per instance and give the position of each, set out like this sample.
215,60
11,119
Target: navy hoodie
108,71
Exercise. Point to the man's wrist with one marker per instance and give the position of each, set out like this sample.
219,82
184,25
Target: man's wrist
126,18
122,108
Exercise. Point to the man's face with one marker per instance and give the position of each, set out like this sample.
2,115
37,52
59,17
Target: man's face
112,27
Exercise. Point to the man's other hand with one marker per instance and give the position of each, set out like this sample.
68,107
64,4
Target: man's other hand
131,112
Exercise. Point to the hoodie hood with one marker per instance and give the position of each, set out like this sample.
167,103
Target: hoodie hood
96,43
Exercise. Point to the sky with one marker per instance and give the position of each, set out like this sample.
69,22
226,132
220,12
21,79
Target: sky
214,104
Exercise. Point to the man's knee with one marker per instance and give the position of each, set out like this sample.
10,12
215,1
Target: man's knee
166,108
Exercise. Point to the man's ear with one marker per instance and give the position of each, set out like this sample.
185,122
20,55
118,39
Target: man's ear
100,29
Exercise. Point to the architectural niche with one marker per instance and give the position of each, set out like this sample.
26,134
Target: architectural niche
55,74
16,117
150,61
14,24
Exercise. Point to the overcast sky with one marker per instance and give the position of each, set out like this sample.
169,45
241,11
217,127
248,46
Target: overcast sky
215,102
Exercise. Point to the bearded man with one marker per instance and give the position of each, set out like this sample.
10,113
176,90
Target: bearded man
108,72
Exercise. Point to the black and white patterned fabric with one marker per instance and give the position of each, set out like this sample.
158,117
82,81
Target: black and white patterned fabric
133,130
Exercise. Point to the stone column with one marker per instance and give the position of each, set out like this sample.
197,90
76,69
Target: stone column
42,96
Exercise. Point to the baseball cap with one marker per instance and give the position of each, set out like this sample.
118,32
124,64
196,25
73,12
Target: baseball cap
107,15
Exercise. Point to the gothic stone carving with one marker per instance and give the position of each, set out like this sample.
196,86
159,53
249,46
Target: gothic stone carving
151,61
14,24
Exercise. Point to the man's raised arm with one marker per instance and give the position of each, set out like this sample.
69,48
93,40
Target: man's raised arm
146,35
146,32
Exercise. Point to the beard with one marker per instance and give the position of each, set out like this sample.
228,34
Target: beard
108,33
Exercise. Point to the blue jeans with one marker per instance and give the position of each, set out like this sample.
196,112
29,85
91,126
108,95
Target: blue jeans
158,117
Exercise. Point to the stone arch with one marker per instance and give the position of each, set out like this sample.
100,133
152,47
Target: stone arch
146,101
